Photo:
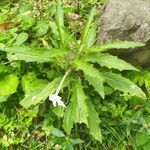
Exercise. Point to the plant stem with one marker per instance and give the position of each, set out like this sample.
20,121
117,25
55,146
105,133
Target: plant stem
62,81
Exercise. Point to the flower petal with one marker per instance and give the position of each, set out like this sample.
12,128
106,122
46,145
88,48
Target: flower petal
56,100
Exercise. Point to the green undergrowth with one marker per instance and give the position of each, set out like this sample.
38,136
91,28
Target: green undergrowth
59,89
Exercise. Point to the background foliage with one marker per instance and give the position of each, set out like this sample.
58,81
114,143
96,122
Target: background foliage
107,106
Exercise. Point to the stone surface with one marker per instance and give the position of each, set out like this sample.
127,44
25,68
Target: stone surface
125,20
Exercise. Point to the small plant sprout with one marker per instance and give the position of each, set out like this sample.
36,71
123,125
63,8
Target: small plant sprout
55,98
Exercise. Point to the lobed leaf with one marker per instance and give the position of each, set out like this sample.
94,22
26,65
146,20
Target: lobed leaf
60,21
109,61
59,15
69,118
92,75
91,36
93,122
89,23
77,109
40,93
117,82
78,98
116,45
33,55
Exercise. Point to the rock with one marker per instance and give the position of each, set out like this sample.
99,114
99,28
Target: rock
125,20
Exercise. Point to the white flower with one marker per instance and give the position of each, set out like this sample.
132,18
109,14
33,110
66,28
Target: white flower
56,100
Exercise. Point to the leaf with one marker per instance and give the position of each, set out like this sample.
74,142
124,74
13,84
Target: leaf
117,82
60,21
146,79
91,36
116,45
39,92
59,15
21,38
25,8
8,84
89,23
54,28
93,122
3,98
69,118
78,98
41,28
31,83
142,138
58,133
146,146
59,111
92,75
76,141
147,85
27,20
77,109
68,37
109,61
58,29
67,145
33,55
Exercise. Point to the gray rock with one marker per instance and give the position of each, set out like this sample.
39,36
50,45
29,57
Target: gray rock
125,20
